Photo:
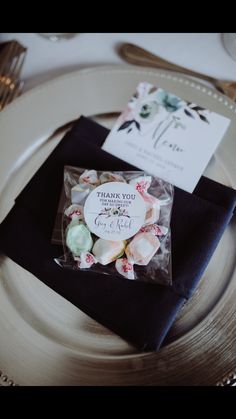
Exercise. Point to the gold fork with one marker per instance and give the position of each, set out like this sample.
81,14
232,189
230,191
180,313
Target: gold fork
12,56
139,56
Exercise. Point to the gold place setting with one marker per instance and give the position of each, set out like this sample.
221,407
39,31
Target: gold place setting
117,215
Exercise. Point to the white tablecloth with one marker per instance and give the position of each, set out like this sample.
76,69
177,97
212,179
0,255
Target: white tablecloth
46,59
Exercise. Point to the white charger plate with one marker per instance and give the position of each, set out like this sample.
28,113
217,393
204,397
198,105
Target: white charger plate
45,340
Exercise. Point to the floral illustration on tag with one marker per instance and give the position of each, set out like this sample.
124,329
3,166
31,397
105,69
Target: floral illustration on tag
156,110
115,212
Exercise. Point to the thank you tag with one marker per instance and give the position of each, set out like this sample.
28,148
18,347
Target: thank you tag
114,211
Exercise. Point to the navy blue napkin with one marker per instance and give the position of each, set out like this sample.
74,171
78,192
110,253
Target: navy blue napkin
142,313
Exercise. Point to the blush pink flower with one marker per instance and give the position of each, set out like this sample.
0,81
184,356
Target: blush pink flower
126,115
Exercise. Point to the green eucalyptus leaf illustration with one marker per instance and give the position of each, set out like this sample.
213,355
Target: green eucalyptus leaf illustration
125,125
188,113
198,108
203,118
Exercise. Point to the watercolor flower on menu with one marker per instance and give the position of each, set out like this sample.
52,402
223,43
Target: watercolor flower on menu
145,105
148,111
139,109
169,101
144,113
153,111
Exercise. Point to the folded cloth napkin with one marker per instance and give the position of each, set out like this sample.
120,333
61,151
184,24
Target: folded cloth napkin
141,313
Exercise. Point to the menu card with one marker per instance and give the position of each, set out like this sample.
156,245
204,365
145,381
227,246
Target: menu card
166,135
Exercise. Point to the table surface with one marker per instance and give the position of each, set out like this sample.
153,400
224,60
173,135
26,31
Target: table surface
45,59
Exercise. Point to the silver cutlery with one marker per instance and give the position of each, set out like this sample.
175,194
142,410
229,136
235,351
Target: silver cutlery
134,54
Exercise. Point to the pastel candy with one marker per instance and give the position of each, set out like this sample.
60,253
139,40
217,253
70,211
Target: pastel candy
111,177
79,193
74,222
142,248
75,211
161,230
125,268
141,183
78,238
85,261
152,214
152,207
155,229
89,177
107,251
150,200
